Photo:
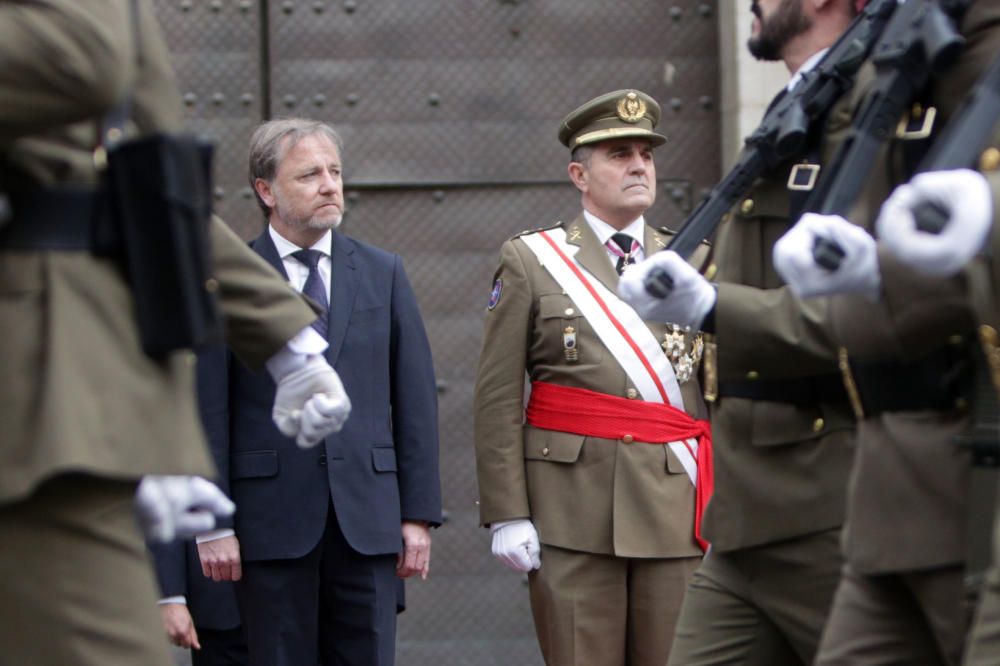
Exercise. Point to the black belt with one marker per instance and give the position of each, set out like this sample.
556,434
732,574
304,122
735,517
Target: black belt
59,218
802,391
939,381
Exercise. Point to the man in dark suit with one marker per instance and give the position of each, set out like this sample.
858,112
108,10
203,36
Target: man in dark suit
198,613
320,535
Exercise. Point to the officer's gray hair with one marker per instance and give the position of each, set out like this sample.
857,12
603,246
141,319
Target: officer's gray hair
268,146
582,154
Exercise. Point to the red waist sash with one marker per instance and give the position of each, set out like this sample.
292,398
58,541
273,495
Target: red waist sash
593,414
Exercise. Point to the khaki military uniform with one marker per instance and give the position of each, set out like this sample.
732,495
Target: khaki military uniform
983,647
615,518
783,443
85,413
901,597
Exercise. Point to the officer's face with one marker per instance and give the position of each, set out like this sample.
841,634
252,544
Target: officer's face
307,191
776,23
618,182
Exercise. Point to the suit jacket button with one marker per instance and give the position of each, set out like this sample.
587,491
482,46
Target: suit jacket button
818,424
628,439
747,207
545,451
322,460
631,394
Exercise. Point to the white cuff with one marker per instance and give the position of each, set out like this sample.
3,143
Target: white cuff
179,599
296,351
215,534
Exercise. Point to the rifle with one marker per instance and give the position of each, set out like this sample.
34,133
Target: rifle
783,132
921,40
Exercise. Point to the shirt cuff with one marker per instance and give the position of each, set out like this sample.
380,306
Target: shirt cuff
179,599
296,352
214,535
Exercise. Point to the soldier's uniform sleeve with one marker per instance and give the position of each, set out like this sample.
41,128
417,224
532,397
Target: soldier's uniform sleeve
73,56
499,396
262,311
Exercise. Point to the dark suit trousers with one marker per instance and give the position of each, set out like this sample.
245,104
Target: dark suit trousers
333,607
220,647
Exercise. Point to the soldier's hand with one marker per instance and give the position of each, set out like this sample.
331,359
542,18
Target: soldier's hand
171,507
858,271
515,543
688,301
310,402
220,558
963,196
179,626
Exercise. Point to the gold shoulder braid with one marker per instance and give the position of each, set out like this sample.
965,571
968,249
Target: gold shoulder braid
683,358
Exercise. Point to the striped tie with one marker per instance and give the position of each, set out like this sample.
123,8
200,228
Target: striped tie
624,247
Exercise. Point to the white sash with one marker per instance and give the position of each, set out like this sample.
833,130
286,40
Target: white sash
633,345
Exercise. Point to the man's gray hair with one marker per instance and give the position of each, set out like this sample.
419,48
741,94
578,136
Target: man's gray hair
582,154
268,147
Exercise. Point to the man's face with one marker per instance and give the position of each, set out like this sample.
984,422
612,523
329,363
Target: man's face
619,182
776,23
307,192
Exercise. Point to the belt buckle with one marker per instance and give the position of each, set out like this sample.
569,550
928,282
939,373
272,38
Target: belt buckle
803,177
917,124
851,386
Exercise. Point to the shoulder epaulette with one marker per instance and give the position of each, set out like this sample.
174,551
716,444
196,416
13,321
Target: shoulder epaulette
667,231
535,231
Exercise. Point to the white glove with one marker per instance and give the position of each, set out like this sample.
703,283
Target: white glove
964,194
689,301
515,543
171,507
310,402
858,271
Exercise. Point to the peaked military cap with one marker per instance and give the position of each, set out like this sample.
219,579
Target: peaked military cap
615,115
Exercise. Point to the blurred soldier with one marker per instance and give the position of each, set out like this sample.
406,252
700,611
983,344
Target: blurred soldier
901,598
972,201
85,411
596,495
781,423
321,536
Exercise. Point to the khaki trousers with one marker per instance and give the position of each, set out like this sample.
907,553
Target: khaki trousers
912,618
761,606
76,587
601,610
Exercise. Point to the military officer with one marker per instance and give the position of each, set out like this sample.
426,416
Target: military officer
905,338
85,412
595,495
781,423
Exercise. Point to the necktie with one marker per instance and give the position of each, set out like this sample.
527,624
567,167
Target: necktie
624,247
314,287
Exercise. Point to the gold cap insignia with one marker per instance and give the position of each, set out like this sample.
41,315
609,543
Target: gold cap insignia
631,108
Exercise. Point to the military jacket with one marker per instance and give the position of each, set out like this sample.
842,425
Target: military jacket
780,468
582,493
908,501
77,392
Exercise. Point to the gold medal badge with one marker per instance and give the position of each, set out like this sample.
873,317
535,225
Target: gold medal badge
631,108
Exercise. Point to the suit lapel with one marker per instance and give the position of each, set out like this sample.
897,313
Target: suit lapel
592,255
264,246
345,279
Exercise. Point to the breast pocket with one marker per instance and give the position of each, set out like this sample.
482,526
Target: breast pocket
565,330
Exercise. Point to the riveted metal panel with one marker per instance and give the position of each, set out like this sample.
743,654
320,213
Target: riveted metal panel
215,49
473,91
